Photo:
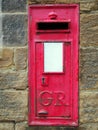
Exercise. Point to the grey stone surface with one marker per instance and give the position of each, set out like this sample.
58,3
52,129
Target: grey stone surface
51,128
14,5
89,29
89,99
13,80
87,5
52,1
89,68
20,58
6,126
14,30
89,126
13,105
88,115
1,34
0,6
21,126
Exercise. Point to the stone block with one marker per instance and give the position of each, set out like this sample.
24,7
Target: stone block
50,128
20,58
1,51
88,115
89,68
85,126
89,126
14,5
7,57
88,60
13,80
68,1
88,5
88,100
41,1
21,126
88,107
51,1
6,126
89,29
13,105
14,30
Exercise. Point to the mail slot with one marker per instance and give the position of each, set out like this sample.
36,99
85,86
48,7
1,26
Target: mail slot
53,64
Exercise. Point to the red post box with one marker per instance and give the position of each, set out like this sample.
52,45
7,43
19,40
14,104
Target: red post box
53,64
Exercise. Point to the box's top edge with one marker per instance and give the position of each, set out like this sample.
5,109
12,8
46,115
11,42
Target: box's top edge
53,5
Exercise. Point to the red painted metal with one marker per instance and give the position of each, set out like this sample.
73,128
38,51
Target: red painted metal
53,97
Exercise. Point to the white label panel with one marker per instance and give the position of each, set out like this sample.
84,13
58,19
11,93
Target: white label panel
53,57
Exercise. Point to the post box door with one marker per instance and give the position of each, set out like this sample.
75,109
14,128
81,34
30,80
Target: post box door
53,91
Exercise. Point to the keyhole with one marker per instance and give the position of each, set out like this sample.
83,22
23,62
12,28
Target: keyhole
43,80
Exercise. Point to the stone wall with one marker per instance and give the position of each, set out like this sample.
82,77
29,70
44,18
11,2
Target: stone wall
13,65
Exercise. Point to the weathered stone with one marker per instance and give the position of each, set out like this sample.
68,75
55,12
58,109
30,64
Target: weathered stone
87,5
67,1
88,0
51,1
14,30
21,126
40,1
14,5
20,58
50,128
6,126
88,107
89,99
88,27
1,51
1,33
13,105
88,115
89,126
89,68
88,60
7,57
12,79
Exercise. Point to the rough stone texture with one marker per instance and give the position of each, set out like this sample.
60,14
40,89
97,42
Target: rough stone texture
67,1
1,34
7,57
89,100
14,30
88,107
1,51
13,105
88,6
6,126
20,58
51,128
21,126
41,1
12,79
89,115
51,1
89,126
89,68
89,30
14,5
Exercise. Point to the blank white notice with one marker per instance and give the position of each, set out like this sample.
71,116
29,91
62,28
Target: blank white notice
53,57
